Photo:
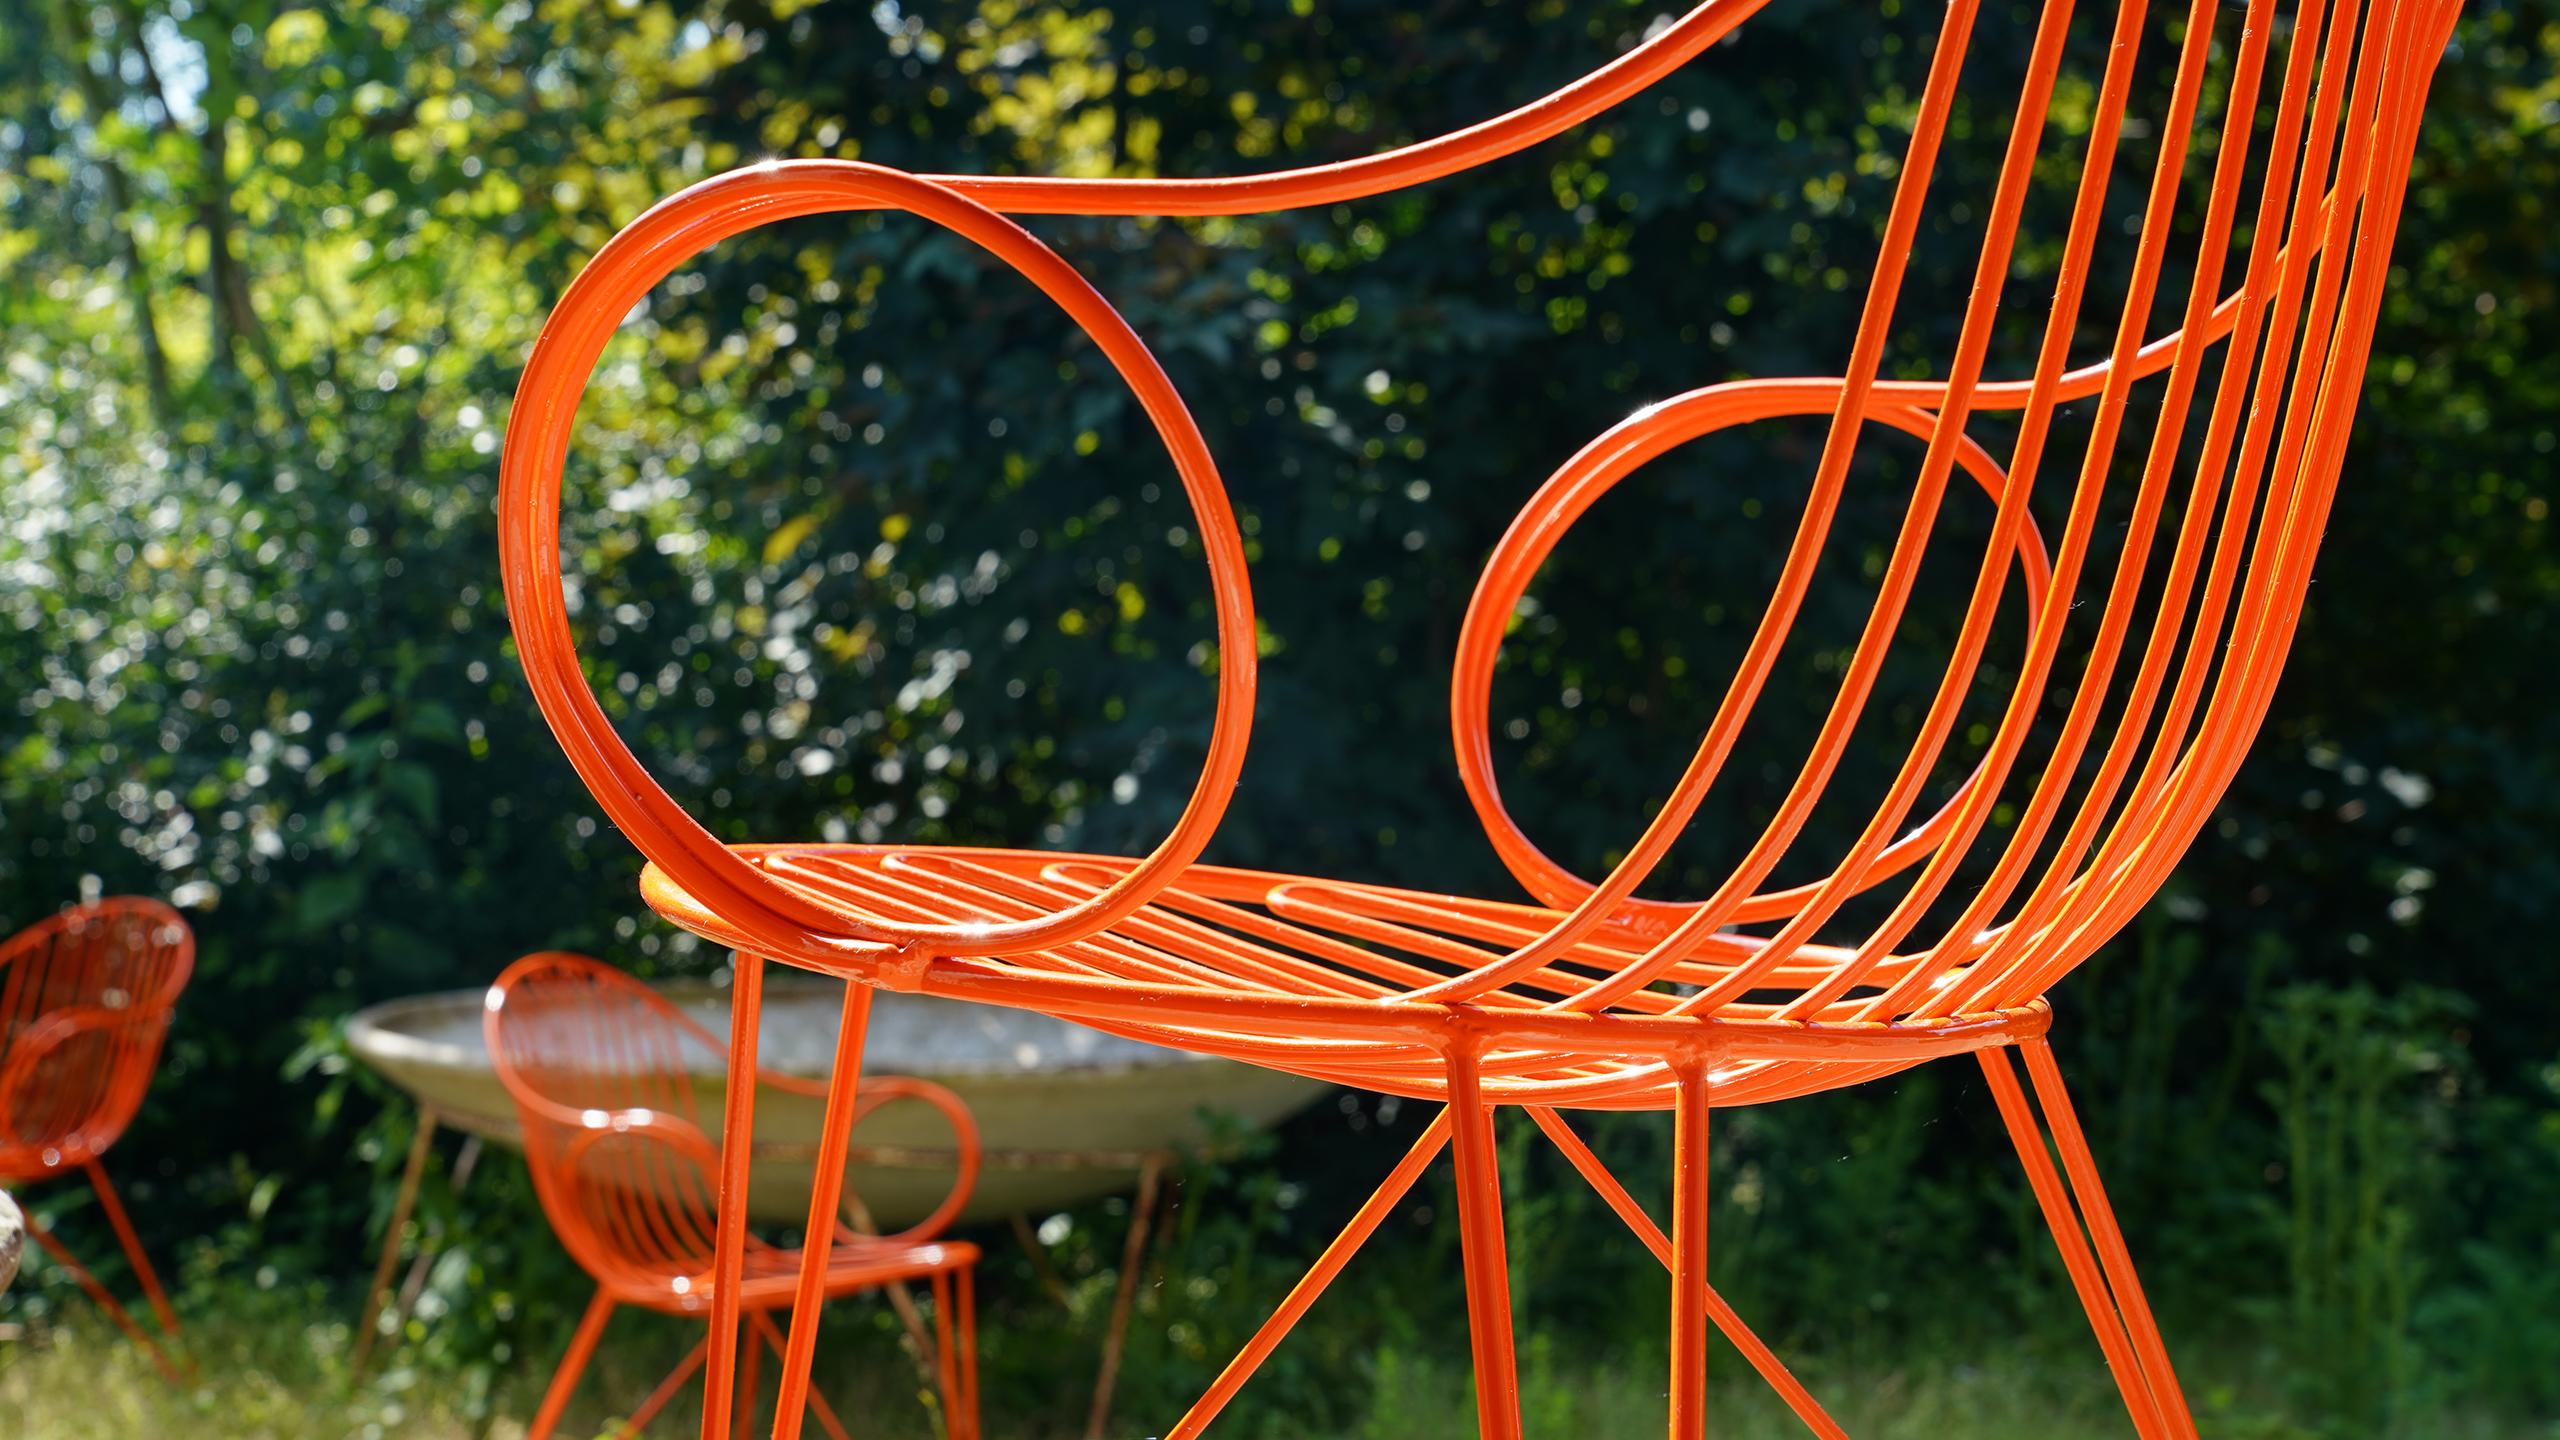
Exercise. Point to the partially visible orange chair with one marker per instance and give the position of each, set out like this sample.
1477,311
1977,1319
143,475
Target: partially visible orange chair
85,999
598,1067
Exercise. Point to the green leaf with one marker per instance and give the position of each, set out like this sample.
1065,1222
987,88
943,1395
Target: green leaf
414,785
434,720
328,900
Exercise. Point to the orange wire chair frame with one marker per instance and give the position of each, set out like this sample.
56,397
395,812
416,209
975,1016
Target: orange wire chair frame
85,1000
1592,997
598,1065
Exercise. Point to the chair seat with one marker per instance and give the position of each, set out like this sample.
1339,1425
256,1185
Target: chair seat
772,1271
1351,983
23,1165
38,1147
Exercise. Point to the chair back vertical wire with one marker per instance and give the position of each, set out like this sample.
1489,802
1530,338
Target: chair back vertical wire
599,1067
2101,767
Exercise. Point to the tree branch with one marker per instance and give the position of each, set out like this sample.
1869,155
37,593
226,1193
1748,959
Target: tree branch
77,53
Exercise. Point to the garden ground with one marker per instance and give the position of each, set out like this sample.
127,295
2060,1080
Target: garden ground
272,1372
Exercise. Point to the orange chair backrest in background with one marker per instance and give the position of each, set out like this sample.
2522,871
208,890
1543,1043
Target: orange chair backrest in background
85,1001
598,1067
601,1069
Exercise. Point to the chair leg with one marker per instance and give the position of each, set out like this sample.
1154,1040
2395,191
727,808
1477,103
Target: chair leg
749,1365
1115,1336
1480,1244
1753,1348
1363,1223
666,1390
826,1413
88,1283
422,1136
729,1222
1689,1293
966,1408
582,1346
2106,1318
113,1204
810,1294
946,1359
2113,1257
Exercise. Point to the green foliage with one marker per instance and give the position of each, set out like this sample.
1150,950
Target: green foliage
2358,1157
867,545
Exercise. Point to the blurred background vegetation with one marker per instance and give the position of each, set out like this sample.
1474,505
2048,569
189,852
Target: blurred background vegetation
872,547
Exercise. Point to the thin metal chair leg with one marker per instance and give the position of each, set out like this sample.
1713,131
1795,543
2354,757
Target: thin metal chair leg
2082,1169
404,1303
1141,1216
901,1297
90,1285
946,1359
582,1346
824,1198
114,1206
666,1390
729,1224
1753,1348
1480,1244
421,1140
967,1284
1689,1195
826,1413
749,1366
828,1421
2059,1218
1363,1223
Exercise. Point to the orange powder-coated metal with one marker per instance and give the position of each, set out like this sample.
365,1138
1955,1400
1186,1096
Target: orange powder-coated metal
2108,736
597,1065
85,1000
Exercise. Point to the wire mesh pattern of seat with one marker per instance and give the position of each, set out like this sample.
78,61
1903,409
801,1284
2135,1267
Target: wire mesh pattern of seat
2192,463
85,1000
599,1067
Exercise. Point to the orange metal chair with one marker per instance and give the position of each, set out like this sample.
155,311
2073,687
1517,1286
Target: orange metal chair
2106,744
85,999
597,1064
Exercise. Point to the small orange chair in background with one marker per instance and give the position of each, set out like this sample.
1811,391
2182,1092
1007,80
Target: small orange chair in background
85,999
598,1066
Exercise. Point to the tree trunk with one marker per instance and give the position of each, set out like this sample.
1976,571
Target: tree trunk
137,279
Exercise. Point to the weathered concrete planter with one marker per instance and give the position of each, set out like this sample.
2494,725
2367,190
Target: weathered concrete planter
1063,1111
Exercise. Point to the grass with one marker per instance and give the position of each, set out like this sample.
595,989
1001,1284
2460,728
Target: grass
272,1371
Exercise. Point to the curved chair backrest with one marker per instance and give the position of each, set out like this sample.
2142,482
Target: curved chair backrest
597,1065
2241,298
85,999
2194,506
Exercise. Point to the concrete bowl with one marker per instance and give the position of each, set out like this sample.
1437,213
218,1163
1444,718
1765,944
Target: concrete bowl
1064,1111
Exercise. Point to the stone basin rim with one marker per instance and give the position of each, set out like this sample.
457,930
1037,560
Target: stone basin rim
373,1031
